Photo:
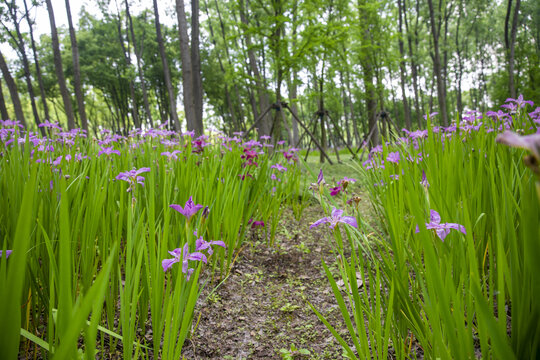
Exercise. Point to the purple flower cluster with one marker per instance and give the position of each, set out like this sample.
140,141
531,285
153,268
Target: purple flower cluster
189,209
133,177
442,230
335,218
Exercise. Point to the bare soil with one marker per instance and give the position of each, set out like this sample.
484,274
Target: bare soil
261,311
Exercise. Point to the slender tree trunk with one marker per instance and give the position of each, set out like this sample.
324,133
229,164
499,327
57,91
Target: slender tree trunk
321,119
459,74
437,66
345,109
138,53
402,68
239,100
196,67
369,85
36,62
26,66
187,68
293,79
235,124
59,69
166,72
79,94
414,66
510,43
127,58
354,118
293,95
264,101
3,108
12,87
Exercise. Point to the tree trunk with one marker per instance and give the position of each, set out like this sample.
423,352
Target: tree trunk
354,118
26,66
3,108
196,67
293,94
264,101
459,74
437,66
12,87
292,82
402,68
59,69
239,99
138,54
235,124
414,66
510,44
187,68
166,73
321,118
79,94
36,62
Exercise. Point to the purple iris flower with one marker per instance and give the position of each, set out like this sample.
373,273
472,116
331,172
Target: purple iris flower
346,180
393,157
430,115
49,124
442,230
171,155
265,137
189,208
424,181
132,177
256,224
183,255
529,142
519,101
335,190
108,151
8,252
320,178
279,167
335,218
201,244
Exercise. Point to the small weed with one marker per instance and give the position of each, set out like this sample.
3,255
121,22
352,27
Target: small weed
293,353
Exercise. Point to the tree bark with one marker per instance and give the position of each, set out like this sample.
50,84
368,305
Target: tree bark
36,62
510,44
437,66
12,87
59,69
196,66
19,41
414,66
138,54
264,101
402,67
3,108
459,74
188,85
367,67
230,106
239,100
77,84
166,72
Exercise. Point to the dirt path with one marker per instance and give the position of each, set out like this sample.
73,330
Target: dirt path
262,307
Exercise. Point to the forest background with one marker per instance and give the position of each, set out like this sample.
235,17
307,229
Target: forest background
339,66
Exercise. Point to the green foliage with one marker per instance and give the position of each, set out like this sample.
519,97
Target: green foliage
87,255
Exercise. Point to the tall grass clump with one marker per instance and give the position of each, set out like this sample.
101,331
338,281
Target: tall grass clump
107,243
453,272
